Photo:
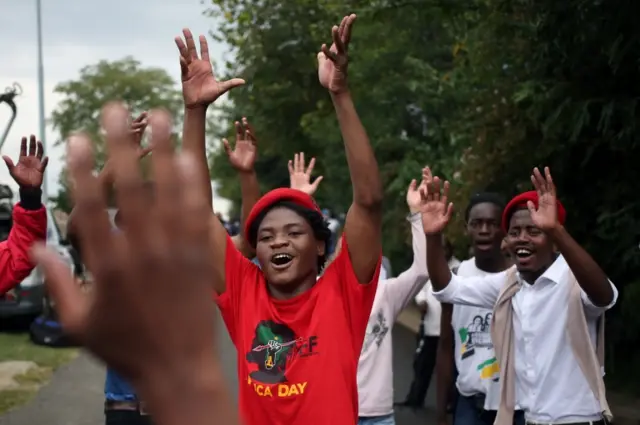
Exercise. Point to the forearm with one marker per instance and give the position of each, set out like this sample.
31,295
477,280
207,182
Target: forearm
590,276
193,141
250,191
363,167
444,363
437,266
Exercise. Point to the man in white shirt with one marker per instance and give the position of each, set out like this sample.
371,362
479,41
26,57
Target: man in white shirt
550,385
465,340
429,334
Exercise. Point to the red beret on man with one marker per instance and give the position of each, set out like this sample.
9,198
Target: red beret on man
520,201
278,195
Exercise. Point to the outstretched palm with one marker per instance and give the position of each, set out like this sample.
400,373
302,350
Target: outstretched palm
333,61
243,156
436,210
299,178
414,196
29,171
199,85
545,216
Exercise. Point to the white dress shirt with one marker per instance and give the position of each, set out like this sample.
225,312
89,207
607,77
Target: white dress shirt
550,387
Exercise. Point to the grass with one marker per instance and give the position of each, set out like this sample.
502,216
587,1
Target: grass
17,346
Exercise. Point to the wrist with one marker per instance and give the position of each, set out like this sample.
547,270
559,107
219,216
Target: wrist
556,231
246,173
30,198
342,94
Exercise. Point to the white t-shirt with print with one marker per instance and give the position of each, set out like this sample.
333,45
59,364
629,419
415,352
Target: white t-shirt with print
476,362
375,367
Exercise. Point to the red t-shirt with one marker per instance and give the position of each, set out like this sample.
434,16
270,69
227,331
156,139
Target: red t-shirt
297,358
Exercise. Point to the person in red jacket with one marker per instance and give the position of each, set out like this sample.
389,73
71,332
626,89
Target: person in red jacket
29,215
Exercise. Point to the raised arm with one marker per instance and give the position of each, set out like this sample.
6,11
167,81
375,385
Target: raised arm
363,225
29,216
200,89
592,279
408,283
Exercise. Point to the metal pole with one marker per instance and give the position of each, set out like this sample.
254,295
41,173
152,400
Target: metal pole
43,124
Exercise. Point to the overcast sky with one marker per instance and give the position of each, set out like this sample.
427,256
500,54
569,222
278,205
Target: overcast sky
77,33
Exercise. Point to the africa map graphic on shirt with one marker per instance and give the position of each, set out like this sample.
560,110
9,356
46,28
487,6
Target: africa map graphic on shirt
377,331
477,335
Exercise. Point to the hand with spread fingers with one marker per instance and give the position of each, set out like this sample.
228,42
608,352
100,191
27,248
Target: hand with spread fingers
243,156
333,61
435,209
29,171
200,87
300,178
546,215
414,192
151,280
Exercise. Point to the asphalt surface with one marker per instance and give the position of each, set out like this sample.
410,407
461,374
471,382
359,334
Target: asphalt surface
75,394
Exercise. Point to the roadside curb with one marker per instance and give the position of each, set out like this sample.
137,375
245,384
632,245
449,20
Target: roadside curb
625,413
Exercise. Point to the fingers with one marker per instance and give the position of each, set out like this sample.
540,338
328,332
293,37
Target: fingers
346,36
290,167
184,67
32,145
412,186
239,131
192,53
333,57
249,131
296,163
316,183
301,163
445,193
427,175
91,219
39,150
449,212
312,164
23,147
43,164
538,181
131,193
436,188
168,188
227,147
71,303
337,41
549,180
204,48
184,52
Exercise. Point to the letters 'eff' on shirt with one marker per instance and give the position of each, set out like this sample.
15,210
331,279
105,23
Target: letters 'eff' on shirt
28,228
297,358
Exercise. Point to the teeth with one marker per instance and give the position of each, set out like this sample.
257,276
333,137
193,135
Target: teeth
282,257
523,251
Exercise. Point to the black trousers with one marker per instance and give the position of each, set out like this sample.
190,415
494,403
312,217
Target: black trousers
125,417
423,365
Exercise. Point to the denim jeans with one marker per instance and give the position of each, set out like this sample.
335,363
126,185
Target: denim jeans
377,420
469,412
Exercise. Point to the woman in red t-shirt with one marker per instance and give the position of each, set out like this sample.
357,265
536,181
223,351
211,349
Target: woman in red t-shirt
298,338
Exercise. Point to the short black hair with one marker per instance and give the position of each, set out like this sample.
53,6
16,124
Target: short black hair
315,219
514,209
484,198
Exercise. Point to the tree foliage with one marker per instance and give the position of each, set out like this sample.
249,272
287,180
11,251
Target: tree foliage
124,80
481,90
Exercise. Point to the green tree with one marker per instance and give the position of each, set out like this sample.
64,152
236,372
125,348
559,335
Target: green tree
126,80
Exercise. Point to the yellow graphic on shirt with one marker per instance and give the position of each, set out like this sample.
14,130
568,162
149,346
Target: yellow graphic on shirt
279,390
489,369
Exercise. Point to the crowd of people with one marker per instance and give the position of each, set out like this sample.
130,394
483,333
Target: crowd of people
517,338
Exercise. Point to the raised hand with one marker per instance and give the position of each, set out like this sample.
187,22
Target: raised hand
546,215
151,280
414,196
333,61
29,171
138,127
199,86
435,209
300,178
243,156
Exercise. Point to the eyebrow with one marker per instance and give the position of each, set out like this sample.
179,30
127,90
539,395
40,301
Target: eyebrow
286,226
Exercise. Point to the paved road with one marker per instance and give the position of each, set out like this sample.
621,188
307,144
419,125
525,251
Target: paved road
74,395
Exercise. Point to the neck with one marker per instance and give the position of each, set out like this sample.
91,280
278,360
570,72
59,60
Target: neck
531,276
286,292
491,263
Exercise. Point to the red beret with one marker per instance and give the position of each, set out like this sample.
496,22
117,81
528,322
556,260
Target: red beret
521,200
277,195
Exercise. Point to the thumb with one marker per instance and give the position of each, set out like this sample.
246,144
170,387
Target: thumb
412,186
225,86
9,162
449,212
531,206
316,182
226,146
71,304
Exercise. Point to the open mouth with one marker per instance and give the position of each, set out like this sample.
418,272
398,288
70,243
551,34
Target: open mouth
281,261
484,245
523,253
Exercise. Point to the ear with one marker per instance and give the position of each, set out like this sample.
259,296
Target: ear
321,248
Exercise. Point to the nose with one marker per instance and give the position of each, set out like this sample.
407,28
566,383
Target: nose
279,241
484,229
